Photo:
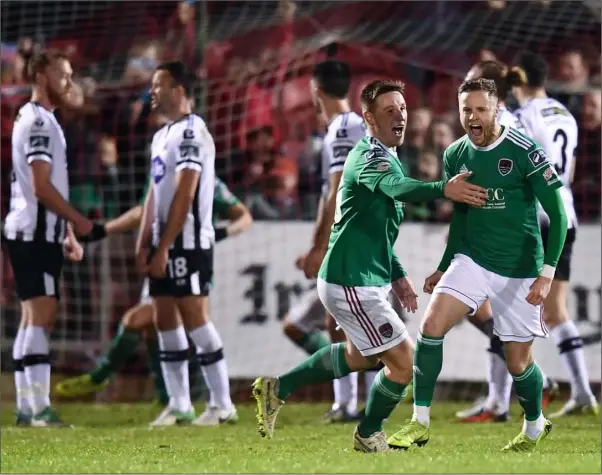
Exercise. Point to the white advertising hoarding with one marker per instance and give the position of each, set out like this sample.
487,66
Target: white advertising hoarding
256,282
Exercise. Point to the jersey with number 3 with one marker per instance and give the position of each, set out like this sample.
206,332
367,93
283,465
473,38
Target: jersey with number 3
344,132
185,144
550,124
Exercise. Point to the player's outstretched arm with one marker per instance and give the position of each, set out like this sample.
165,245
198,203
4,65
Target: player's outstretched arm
240,220
380,175
128,221
49,196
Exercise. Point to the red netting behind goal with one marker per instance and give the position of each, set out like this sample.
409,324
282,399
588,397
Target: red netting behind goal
253,61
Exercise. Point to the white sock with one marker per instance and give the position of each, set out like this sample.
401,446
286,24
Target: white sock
36,363
534,428
345,392
500,384
369,379
570,346
21,386
174,365
422,414
215,371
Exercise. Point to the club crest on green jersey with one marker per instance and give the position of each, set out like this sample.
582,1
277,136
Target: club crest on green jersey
504,166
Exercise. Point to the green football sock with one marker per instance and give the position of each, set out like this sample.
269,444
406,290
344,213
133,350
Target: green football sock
154,365
528,386
123,346
313,341
383,398
326,364
428,360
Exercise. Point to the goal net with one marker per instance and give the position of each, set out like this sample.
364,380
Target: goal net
253,61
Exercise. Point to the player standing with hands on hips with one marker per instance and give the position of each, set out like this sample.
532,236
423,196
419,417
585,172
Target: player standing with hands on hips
496,253
360,268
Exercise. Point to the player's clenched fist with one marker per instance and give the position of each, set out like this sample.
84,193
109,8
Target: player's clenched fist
458,189
431,281
539,290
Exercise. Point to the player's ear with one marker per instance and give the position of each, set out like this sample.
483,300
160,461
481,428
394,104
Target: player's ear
368,118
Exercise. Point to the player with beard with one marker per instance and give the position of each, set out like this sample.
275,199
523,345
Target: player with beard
496,407
360,269
39,230
496,253
175,249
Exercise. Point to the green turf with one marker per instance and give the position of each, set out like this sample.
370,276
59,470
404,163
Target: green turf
115,439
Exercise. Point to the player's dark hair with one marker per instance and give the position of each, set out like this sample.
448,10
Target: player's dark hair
181,75
503,77
534,66
479,84
377,88
40,60
333,77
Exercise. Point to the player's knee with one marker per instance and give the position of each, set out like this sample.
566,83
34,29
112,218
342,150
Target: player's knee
356,361
554,314
42,312
291,331
138,318
433,326
518,357
399,362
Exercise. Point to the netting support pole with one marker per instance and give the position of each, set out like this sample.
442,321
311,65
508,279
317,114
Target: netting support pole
106,303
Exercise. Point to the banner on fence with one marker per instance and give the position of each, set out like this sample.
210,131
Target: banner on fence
256,282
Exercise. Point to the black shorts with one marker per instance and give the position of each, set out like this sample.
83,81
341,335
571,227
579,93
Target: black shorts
37,268
189,272
563,268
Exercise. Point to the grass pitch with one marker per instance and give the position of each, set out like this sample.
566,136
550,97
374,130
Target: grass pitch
115,439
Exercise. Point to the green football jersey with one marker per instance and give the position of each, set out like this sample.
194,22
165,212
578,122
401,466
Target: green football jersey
223,198
503,236
367,219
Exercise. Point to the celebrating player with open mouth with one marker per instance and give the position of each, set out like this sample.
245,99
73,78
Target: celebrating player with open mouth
360,268
496,253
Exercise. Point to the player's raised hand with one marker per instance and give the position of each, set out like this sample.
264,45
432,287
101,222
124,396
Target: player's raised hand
313,261
431,281
539,290
406,293
458,189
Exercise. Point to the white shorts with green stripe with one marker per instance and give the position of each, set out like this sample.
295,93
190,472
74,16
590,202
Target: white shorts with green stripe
514,318
365,314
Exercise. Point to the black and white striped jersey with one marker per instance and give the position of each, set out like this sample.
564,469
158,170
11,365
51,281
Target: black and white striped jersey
344,132
184,144
36,136
549,123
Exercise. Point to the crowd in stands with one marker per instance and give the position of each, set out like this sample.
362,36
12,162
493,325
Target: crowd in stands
260,113
253,93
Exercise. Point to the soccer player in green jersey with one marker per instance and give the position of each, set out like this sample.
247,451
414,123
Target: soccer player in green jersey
496,253
360,269
139,319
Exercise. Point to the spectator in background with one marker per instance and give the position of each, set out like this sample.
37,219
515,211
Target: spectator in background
573,71
586,185
428,168
440,135
419,121
270,179
143,58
